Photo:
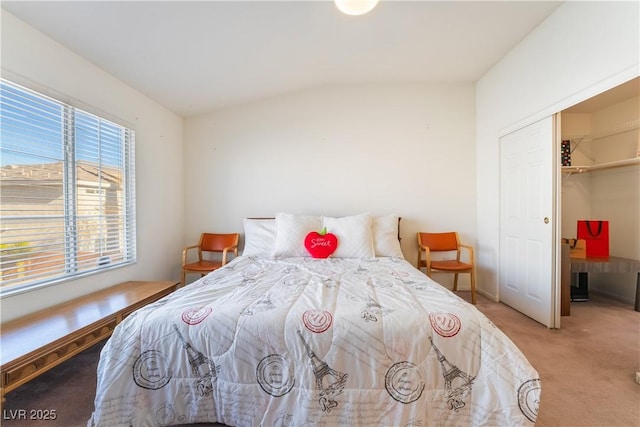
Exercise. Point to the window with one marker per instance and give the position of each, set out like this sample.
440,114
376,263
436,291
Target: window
67,202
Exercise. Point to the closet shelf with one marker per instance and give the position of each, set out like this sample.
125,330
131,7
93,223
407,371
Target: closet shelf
601,166
624,127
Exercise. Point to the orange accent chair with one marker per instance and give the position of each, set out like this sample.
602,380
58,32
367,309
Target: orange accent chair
447,243
209,242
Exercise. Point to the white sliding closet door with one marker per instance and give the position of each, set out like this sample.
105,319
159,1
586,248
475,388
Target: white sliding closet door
527,224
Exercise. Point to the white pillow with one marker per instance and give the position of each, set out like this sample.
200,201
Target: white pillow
354,236
385,236
259,236
291,230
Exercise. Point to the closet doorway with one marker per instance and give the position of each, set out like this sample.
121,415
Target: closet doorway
601,181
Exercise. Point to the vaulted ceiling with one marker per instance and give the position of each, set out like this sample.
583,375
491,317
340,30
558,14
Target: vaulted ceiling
194,57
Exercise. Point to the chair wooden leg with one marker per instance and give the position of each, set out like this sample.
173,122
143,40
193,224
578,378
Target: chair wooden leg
455,282
473,286
182,280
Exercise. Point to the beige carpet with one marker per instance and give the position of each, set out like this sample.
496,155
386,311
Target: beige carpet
587,367
587,370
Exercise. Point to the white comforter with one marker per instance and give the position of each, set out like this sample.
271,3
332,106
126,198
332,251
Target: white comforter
304,341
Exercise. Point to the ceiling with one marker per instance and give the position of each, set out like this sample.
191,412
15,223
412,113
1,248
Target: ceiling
194,57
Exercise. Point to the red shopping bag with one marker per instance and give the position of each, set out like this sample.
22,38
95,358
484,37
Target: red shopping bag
596,234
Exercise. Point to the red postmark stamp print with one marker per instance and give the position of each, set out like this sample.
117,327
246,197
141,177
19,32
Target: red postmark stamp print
445,324
317,321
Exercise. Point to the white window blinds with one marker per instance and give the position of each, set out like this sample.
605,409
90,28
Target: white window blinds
67,191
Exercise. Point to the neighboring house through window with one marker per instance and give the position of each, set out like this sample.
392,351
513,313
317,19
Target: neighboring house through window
67,202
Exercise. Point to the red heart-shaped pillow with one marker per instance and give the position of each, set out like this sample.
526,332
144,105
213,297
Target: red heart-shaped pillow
322,244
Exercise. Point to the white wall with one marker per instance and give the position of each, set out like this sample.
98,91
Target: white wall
32,59
582,49
337,150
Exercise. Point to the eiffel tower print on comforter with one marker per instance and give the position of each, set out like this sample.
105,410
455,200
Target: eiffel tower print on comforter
303,341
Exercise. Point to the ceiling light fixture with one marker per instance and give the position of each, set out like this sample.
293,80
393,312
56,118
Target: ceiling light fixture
355,7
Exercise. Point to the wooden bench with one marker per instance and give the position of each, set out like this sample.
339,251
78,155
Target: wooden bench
33,344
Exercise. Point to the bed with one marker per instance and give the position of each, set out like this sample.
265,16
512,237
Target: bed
278,338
